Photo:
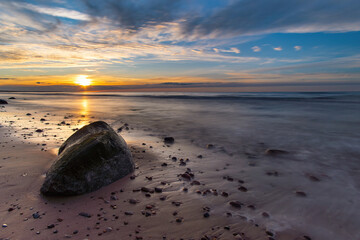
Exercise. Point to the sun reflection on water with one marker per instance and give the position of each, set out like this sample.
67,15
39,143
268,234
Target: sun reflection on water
84,112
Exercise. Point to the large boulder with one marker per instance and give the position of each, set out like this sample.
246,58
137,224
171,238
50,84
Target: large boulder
3,101
92,157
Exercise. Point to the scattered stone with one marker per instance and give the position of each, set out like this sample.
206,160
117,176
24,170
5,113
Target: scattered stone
275,152
164,164
4,225
313,178
307,237
195,182
265,215
36,215
128,213
83,214
243,189
169,140
210,146
300,194
179,220
3,102
12,97
39,130
199,156
133,201
236,204
92,157
51,226
158,190
145,189
225,194
206,215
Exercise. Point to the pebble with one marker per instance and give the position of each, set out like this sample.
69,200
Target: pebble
243,189
300,193
36,215
236,204
51,226
206,215
169,140
84,214
4,225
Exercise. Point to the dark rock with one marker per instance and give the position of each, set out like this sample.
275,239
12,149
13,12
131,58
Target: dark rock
307,237
169,140
51,226
158,190
39,130
206,215
243,189
92,157
84,214
36,215
313,178
275,152
210,146
3,101
12,97
236,204
300,193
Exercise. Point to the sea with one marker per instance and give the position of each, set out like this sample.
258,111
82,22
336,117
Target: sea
320,131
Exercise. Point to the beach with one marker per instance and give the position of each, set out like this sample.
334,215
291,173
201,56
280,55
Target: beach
263,166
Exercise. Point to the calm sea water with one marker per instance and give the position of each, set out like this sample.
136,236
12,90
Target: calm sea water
320,130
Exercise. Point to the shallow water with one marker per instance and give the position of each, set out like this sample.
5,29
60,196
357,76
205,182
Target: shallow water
321,131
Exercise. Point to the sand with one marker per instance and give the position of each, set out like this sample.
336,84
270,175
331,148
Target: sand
203,207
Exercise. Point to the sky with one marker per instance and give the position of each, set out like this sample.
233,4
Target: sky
187,45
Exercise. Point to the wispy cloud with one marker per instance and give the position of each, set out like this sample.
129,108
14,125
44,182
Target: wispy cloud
256,49
56,12
297,48
278,48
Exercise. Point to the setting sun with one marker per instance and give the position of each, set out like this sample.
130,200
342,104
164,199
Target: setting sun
83,80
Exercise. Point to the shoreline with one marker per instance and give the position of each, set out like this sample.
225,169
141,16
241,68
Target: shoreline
265,186
112,215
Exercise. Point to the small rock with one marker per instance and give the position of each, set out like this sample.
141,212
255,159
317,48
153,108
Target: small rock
210,146
158,190
51,226
4,225
84,214
243,189
236,204
206,215
300,193
169,140
265,215
3,101
36,215
274,152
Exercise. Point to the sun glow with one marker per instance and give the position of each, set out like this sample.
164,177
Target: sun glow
83,80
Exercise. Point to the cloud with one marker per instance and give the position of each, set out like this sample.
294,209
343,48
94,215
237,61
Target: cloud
278,48
134,15
231,50
248,17
297,48
56,12
256,49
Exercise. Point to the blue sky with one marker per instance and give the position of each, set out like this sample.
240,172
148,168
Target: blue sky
249,45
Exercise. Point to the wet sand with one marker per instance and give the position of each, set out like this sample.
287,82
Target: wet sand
126,209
